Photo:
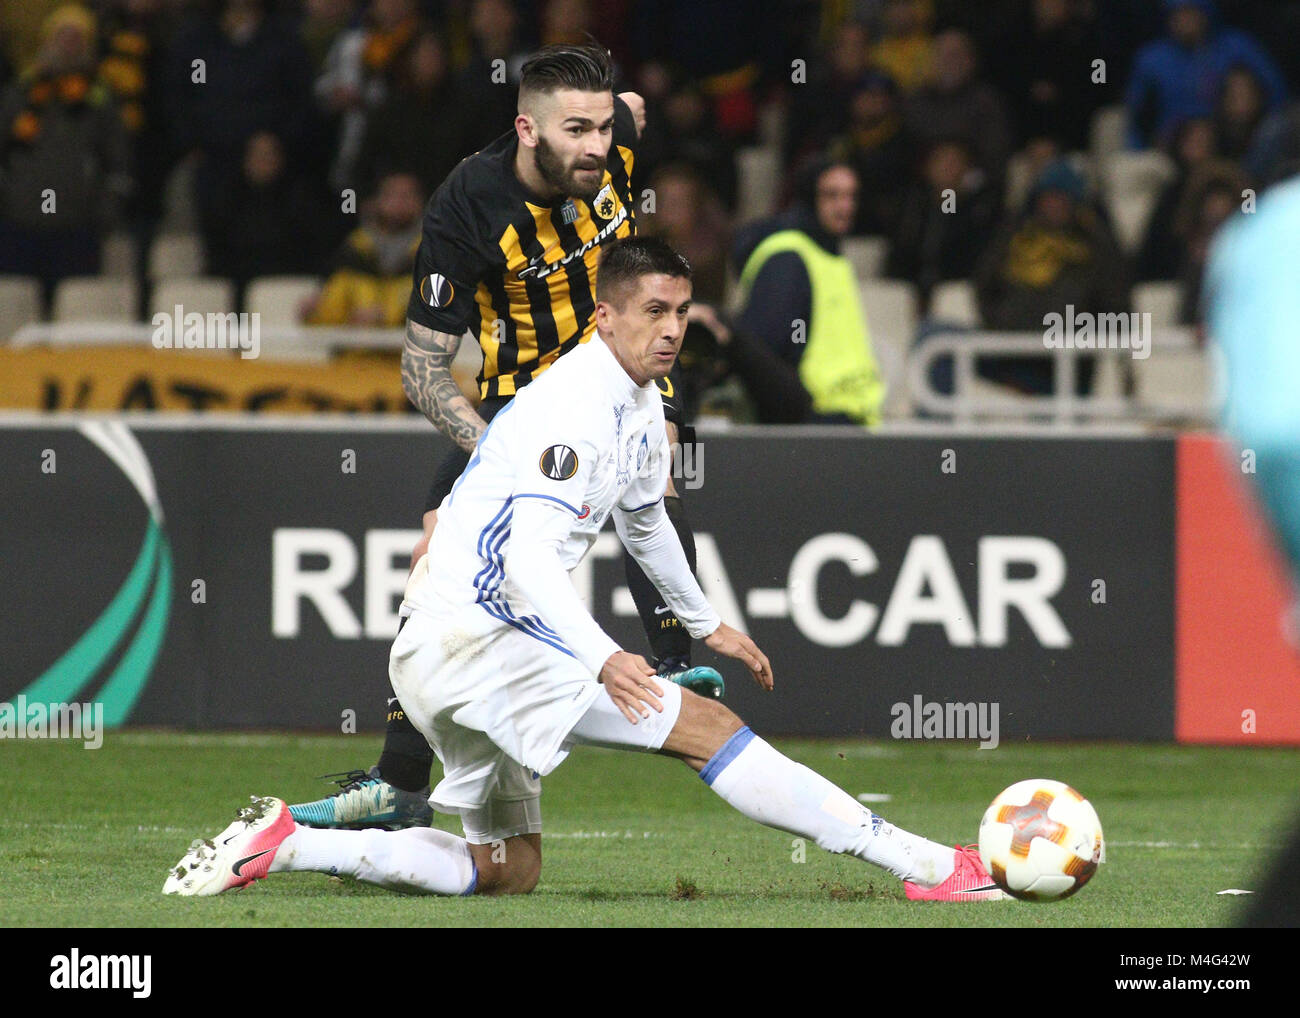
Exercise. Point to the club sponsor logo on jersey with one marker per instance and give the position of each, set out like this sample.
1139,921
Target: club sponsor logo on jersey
604,204
643,450
623,462
539,268
559,463
586,511
436,290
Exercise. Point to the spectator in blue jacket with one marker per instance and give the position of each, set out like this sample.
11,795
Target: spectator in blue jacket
1180,76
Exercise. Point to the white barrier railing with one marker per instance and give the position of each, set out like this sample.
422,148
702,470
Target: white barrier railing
1172,384
307,343
289,342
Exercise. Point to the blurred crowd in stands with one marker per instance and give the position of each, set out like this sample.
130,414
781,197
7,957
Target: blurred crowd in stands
974,131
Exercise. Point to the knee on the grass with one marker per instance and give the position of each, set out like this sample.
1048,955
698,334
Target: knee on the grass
517,877
512,866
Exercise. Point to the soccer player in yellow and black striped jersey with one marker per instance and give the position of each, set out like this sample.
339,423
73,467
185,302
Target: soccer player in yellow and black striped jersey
513,261
511,244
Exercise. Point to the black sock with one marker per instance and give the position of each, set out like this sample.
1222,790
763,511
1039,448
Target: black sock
407,756
668,638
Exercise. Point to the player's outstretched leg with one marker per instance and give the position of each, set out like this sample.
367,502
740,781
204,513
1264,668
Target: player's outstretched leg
418,860
772,789
669,640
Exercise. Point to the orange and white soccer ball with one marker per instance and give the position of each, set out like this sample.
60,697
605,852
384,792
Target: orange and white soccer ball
1041,840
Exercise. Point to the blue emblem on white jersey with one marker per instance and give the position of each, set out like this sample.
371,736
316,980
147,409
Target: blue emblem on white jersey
622,452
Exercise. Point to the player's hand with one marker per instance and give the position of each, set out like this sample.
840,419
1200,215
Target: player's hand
630,682
704,314
734,643
422,545
637,105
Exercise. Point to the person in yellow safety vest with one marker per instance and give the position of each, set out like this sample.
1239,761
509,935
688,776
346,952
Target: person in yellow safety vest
801,343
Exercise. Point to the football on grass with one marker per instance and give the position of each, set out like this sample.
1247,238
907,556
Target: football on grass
1041,840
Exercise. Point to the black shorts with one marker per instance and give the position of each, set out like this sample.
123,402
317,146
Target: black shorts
454,463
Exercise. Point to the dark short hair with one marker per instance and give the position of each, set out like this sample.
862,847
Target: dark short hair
808,176
585,68
625,261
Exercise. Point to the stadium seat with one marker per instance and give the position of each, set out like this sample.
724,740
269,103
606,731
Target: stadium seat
118,255
1131,183
1107,132
179,215
758,172
1108,378
276,298
1160,300
1019,179
771,125
94,299
20,304
469,358
867,255
955,303
176,254
204,294
1176,381
890,307
1129,215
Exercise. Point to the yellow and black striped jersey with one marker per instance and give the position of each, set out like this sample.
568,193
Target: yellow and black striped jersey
520,275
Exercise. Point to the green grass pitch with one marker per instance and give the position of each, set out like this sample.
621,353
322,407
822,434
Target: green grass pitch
86,836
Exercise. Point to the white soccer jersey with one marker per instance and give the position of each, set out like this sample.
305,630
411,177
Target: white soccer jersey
580,443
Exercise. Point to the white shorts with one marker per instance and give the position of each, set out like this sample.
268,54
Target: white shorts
501,709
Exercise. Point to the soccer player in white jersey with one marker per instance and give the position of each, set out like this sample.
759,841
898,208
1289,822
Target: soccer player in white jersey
504,671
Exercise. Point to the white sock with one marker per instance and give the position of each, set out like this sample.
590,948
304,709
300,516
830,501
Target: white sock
774,790
418,860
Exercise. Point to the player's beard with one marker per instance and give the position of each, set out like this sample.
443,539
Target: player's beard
564,180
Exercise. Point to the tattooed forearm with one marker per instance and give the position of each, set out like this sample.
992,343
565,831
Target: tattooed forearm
427,381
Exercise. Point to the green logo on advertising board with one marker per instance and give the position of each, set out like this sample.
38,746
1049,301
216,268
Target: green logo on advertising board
143,602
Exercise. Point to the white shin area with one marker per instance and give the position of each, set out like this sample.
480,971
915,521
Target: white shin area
418,860
774,790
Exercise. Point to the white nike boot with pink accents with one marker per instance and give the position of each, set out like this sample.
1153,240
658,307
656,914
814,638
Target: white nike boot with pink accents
240,854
